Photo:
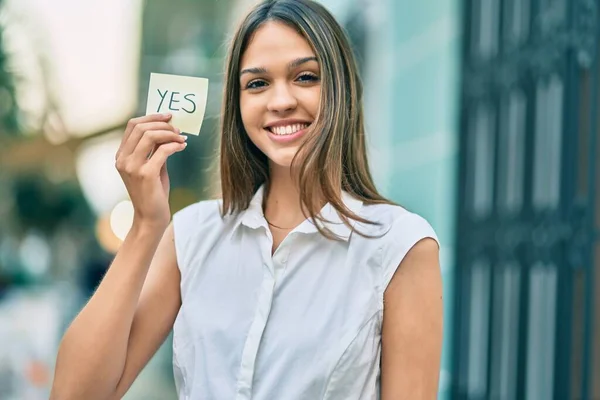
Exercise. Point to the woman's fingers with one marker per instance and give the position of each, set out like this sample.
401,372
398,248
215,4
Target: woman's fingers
159,158
141,130
150,141
135,131
133,122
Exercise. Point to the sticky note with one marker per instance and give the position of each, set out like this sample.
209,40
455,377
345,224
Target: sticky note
182,96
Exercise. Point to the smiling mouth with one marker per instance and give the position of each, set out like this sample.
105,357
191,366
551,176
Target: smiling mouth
287,129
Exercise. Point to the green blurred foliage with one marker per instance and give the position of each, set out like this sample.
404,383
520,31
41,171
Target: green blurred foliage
8,103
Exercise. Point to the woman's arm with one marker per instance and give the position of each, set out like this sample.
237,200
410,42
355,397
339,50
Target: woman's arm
134,307
124,322
412,327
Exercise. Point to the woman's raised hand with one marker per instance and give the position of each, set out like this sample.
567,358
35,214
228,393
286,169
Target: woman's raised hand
142,163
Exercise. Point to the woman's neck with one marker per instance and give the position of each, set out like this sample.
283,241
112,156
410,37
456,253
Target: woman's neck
282,205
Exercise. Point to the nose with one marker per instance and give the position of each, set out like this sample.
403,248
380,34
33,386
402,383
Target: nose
282,99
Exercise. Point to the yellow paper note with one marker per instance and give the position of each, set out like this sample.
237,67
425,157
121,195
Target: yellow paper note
182,96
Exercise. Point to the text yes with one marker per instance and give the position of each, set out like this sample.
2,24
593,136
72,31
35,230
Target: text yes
173,99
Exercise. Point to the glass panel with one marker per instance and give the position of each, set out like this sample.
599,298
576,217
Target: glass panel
552,14
474,27
485,24
482,156
541,331
479,329
516,21
521,15
583,159
505,333
512,151
555,106
541,127
548,142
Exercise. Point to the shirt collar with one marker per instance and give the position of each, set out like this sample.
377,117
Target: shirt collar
253,217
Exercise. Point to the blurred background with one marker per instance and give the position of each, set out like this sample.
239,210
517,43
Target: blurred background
482,116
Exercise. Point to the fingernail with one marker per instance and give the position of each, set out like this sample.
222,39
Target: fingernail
184,144
184,137
166,115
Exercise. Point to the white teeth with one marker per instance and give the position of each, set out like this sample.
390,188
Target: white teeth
288,130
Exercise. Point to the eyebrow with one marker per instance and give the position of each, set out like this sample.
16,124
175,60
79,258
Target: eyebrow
293,64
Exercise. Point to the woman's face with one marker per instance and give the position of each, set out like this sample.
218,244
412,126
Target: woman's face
280,91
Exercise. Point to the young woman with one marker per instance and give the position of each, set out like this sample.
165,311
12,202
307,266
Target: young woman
302,282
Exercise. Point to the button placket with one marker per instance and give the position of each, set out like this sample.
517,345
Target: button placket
257,328
280,259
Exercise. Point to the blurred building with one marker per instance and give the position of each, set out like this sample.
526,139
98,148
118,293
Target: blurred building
527,304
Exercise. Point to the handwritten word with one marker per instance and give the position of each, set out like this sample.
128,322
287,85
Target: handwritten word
173,100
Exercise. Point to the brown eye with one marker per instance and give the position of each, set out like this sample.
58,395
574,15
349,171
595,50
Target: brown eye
306,77
255,84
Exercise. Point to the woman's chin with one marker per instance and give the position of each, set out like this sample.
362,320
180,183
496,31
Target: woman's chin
282,159
281,163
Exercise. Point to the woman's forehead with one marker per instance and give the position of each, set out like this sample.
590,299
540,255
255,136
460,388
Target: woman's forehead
275,42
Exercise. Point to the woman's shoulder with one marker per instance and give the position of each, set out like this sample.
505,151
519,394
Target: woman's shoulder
398,231
203,209
385,210
388,215
197,215
396,224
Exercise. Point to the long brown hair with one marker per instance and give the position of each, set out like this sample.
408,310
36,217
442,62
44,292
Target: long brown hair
337,158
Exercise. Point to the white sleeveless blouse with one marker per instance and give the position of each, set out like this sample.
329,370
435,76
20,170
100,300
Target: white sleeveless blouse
302,324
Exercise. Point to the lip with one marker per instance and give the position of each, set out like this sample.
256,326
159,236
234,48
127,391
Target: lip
286,138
